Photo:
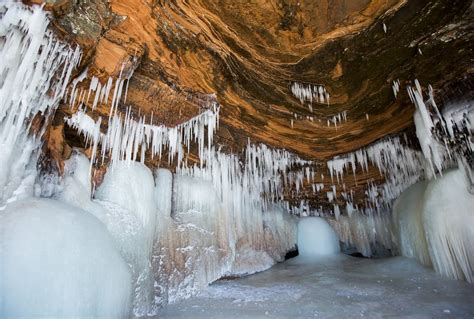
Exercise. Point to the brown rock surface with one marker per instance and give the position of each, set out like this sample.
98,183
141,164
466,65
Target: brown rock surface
248,52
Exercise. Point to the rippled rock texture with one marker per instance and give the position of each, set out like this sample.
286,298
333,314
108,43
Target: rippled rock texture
246,55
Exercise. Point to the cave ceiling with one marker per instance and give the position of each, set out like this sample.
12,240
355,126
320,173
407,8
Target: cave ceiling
246,54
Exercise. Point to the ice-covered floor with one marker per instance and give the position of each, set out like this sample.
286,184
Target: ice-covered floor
338,287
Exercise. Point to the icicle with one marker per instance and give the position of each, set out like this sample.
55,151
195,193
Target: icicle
306,92
396,88
125,137
34,71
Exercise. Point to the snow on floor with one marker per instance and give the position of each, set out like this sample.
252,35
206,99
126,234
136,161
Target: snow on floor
336,287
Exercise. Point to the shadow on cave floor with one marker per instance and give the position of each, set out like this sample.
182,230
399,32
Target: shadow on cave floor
337,287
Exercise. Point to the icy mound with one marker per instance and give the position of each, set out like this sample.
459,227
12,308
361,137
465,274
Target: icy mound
60,262
131,185
125,204
435,224
448,214
408,223
316,237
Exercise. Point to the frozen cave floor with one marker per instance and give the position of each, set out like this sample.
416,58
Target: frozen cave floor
337,287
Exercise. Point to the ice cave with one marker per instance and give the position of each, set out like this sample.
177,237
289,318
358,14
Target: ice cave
236,159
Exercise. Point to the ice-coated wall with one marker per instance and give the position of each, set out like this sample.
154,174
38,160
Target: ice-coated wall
436,218
316,237
408,224
199,241
368,233
194,239
120,203
58,261
449,225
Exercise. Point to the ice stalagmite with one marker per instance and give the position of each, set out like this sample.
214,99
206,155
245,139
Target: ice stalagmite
316,237
59,261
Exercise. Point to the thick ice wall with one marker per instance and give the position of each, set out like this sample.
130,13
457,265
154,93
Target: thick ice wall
441,212
192,248
367,233
124,225
201,242
449,225
195,238
264,241
131,185
280,230
59,261
76,184
316,237
163,194
128,189
408,224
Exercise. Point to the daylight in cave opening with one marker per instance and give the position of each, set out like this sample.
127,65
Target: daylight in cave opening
236,159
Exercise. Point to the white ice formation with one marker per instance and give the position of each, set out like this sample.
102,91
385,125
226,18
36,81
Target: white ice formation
445,139
45,243
58,261
367,231
316,238
436,131
399,164
177,236
434,223
128,140
396,87
310,93
34,70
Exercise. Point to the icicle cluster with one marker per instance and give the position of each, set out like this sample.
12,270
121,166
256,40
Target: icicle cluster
446,137
396,87
100,92
34,71
365,231
335,120
306,92
401,166
256,183
127,138
338,118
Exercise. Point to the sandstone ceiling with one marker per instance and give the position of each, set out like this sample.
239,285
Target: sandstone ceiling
245,55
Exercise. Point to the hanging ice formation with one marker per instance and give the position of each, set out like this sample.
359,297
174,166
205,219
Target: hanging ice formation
396,87
441,147
366,231
400,165
306,92
34,70
338,118
128,138
445,139
368,228
431,220
256,184
261,180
